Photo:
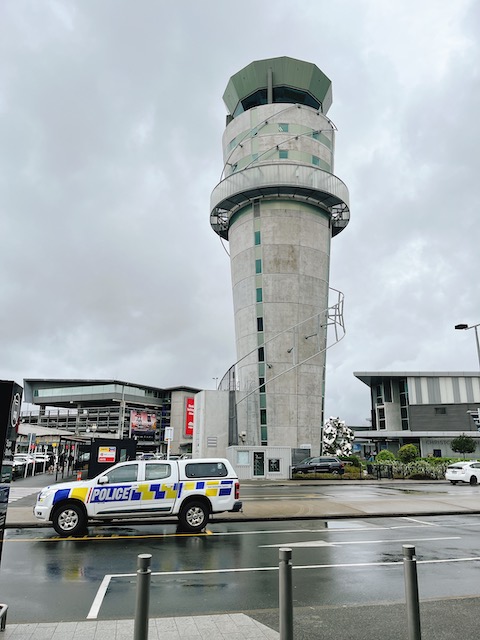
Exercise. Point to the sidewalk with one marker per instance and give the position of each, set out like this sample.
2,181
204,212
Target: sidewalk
236,626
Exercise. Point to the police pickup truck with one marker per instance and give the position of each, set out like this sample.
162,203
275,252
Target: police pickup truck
192,490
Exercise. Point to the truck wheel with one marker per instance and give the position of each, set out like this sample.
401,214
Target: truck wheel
69,520
194,516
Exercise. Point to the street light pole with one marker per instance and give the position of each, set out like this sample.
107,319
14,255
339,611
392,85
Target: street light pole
473,326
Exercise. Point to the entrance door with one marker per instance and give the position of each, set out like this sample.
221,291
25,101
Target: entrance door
258,463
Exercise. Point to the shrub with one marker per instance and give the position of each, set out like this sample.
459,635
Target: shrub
407,453
384,456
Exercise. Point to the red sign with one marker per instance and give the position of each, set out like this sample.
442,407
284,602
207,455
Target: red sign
189,413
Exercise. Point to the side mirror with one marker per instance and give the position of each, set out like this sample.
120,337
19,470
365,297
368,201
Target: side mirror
103,480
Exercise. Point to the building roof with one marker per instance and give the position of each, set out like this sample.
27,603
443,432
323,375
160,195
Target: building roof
51,383
373,377
288,72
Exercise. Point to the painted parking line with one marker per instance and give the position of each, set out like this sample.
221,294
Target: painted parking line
102,590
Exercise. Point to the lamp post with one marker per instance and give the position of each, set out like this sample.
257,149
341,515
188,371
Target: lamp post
473,326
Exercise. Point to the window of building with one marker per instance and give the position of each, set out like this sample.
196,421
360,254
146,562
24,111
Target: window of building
259,324
387,390
283,154
316,160
379,394
440,411
263,416
381,418
259,295
256,203
283,126
257,237
261,384
258,266
243,457
261,354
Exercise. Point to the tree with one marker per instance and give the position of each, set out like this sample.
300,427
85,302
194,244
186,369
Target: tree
407,453
463,444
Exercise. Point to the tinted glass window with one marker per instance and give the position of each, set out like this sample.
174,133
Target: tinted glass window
206,470
157,471
128,473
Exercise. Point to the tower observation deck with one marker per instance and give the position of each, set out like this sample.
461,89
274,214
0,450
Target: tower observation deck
278,204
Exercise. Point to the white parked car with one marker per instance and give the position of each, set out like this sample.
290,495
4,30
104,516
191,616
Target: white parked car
464,471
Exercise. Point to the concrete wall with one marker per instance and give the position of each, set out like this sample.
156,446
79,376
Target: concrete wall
245,460
210,430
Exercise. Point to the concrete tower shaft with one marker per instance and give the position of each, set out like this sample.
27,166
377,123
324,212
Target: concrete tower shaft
279,204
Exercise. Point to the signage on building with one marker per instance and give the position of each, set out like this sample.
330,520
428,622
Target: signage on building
10,402
189,416
106,454
143,424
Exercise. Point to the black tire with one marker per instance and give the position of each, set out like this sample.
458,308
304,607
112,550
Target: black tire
69,520
453,481
473,480
194,516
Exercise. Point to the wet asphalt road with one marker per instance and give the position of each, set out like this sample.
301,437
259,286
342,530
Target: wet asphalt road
233,567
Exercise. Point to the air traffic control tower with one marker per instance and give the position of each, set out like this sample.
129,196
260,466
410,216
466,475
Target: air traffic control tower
278,204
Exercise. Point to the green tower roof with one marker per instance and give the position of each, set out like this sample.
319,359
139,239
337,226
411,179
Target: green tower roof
307,83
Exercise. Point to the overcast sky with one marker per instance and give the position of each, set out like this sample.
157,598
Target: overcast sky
111,118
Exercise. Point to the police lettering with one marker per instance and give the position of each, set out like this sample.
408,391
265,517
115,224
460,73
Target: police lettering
110,494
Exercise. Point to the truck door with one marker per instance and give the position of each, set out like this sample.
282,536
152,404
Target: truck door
160,489
119,495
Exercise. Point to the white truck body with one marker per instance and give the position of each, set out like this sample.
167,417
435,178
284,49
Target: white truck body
188,489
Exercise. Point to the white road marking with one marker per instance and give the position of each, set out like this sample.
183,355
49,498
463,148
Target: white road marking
16,493
322,543
102,590
430,524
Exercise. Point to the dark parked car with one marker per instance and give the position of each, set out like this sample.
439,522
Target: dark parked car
321,464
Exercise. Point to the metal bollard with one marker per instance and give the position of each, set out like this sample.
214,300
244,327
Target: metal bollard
285,593
411,592
140,630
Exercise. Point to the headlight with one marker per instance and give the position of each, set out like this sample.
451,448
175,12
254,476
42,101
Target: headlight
45,494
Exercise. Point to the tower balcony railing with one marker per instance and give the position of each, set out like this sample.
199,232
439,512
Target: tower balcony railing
279,180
